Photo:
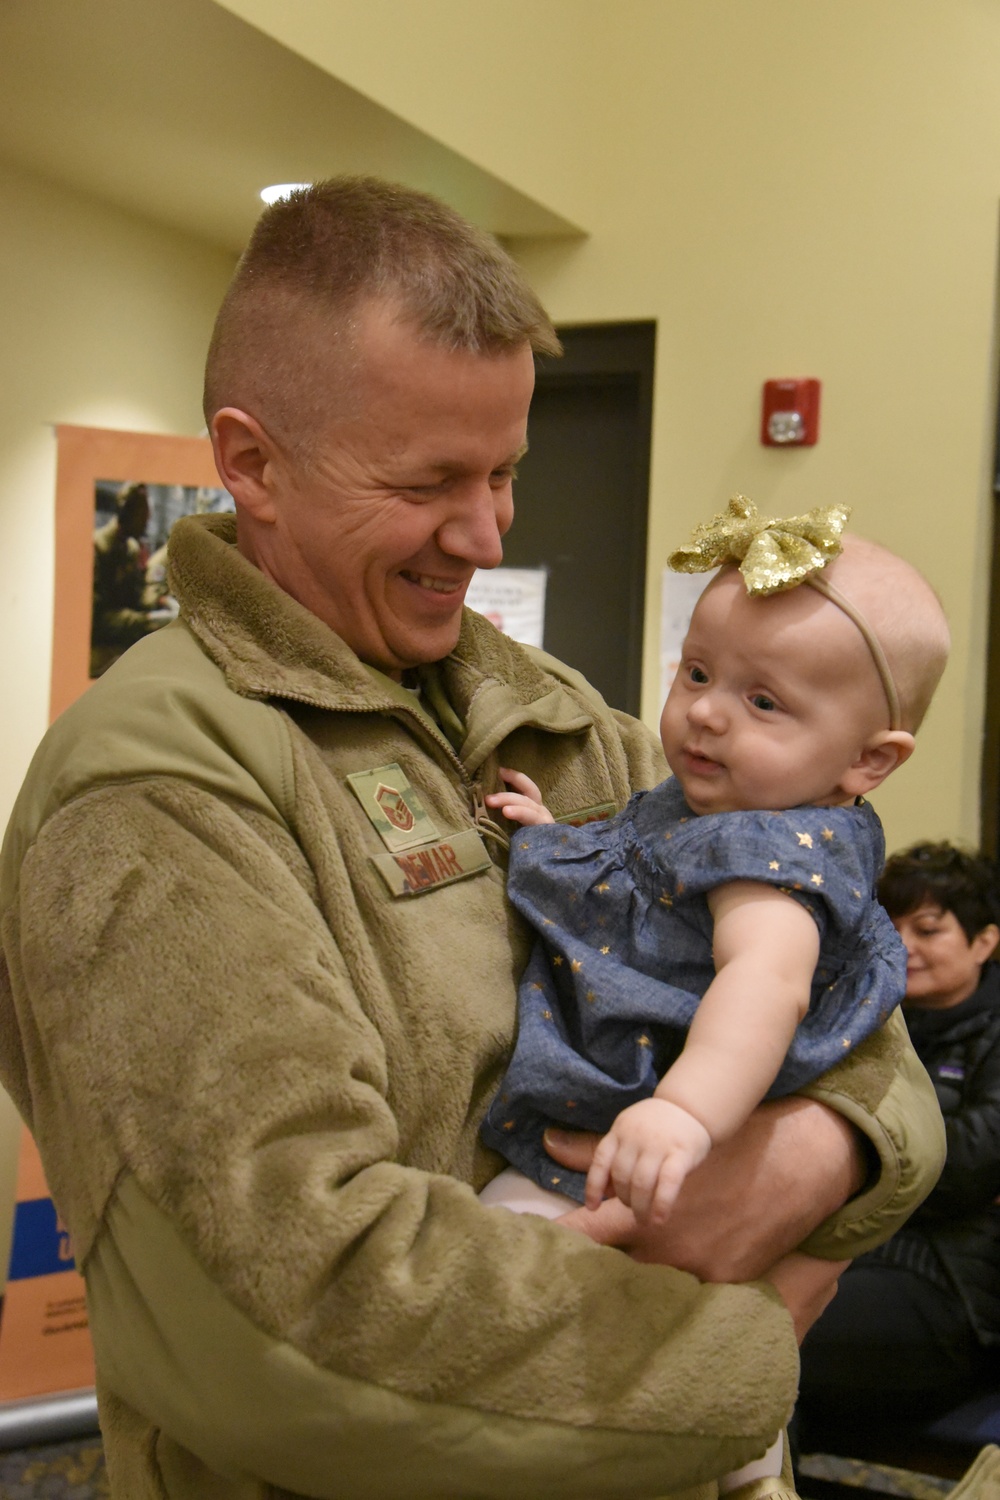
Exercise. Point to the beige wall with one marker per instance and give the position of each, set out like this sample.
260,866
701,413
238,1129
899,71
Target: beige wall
787,190
515,85
105,323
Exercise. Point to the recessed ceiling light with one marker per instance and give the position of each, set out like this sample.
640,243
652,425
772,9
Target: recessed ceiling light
279,190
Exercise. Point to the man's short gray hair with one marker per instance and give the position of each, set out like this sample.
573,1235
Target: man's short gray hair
326,249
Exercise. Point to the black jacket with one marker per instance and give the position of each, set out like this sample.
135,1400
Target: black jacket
954,1238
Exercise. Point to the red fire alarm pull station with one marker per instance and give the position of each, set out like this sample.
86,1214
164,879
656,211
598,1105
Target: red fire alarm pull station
790,416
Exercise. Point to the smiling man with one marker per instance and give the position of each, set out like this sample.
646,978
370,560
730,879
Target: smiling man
259,968
407,491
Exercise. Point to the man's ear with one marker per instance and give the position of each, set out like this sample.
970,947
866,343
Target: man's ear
879,758
244,457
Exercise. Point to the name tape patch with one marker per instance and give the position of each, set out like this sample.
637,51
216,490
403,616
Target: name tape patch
411,873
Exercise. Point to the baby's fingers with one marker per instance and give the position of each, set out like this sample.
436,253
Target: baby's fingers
599,1174
518,809
521,783
637,1181
503,800
668,1185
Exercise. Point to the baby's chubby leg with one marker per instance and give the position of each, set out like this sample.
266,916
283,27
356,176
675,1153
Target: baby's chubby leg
768,1467
511,1189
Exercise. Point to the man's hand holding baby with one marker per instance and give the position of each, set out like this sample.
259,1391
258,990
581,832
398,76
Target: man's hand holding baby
645,1156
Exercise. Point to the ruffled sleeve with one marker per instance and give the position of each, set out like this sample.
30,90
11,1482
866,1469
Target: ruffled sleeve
826,858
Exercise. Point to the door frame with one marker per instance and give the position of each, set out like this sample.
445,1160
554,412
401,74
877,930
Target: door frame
990,779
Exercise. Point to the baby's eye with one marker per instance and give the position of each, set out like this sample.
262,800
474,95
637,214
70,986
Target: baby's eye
761,700
698,675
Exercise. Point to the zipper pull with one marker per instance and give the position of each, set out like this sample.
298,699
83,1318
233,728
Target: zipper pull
485,824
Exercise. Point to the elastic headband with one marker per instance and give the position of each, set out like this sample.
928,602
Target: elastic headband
824,587
775,555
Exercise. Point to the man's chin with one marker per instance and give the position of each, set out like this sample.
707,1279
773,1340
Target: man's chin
420,650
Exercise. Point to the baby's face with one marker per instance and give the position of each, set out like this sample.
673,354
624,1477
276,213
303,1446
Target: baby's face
773,702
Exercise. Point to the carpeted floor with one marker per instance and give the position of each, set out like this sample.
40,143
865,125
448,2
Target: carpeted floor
59,1471
75,1471
821,1474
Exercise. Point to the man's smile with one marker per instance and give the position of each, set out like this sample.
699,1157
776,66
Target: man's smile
435,585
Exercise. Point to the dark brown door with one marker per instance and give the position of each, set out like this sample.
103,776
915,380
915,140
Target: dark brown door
582,498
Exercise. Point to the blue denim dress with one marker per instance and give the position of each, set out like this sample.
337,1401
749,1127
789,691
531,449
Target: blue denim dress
624,954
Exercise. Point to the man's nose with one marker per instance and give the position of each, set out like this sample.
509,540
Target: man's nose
474,531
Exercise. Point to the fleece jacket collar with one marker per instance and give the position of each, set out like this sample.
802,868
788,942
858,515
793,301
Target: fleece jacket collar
269,646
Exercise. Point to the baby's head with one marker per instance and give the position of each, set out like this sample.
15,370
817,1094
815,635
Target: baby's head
778,700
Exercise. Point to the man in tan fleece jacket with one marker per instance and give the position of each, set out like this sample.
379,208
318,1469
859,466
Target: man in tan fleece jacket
259,971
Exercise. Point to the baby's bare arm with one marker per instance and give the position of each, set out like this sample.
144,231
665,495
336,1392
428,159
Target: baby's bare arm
766,947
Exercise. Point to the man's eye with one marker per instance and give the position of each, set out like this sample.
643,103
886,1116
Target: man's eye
762,701
500,477
698,675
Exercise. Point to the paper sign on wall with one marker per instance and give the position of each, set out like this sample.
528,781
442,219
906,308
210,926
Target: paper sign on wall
513,599
44,1333
679,593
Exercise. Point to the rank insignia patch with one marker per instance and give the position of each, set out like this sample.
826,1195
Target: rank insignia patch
393,807
393,804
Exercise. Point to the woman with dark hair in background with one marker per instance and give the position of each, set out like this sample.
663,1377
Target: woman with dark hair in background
906,1335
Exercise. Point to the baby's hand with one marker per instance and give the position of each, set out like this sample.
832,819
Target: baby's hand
524,804
647,1154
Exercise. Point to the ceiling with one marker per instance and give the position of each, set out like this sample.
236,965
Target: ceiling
180,112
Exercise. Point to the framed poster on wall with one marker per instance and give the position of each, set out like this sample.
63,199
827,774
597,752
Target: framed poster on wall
117,496
44,1336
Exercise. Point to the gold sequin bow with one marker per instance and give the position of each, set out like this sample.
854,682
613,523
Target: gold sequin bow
771,554
775,555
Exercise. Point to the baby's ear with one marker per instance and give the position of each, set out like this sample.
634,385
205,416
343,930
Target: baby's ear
879,758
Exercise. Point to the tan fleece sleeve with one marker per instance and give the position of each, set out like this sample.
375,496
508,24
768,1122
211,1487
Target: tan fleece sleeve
884,1090
219,1120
